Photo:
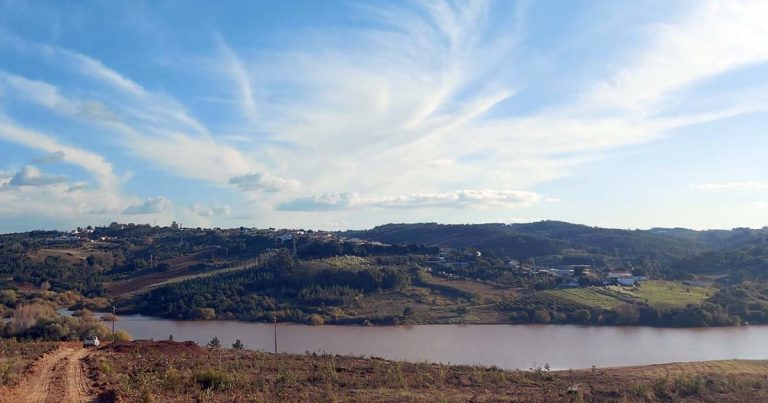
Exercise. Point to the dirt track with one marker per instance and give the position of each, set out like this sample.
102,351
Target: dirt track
55,377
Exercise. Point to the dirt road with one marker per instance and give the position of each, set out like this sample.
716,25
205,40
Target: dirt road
54,378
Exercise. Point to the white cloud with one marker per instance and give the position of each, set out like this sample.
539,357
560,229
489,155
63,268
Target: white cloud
488,198
151,205
93,163
152,127
234,66
417,106
32,176
264,182
203,211
323,202
716,37
731,185
55,156
463,198
95,68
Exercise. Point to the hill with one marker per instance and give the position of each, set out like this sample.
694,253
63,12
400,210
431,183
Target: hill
554,239
144,371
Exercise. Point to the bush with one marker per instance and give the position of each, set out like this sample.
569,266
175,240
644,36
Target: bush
107,317
541,316
205,314
315,319
214,343
211,379
83,313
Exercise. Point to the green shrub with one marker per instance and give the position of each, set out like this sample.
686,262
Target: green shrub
211,379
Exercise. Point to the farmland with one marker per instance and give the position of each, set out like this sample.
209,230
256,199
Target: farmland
671,294
590,296
657,293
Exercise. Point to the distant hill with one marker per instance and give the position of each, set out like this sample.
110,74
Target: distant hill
747,260
543,239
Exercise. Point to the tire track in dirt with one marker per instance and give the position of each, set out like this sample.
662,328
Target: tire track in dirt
56,377
77,383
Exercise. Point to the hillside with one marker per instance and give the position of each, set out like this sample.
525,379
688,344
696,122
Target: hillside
391,274
577,243
179,372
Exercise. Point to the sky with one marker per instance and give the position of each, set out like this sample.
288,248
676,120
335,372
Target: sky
348,114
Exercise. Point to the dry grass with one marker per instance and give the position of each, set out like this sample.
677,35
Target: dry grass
16,356
240,376
587,296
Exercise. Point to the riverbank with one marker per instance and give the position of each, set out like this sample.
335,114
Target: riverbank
175,372
505,346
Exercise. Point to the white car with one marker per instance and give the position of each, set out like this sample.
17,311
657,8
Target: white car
91,341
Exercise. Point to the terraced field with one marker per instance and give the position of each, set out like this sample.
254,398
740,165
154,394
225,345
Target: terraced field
541,299
658,293
671,294
590,296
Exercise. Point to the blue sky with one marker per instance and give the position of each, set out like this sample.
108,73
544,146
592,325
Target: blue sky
351,114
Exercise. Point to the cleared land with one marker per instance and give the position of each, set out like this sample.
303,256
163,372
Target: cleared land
57,375
671,293
175,372
658,293
593,297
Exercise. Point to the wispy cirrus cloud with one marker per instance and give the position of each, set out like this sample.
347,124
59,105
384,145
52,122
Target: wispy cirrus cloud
393,112
731,185
56,156
715,37
96,164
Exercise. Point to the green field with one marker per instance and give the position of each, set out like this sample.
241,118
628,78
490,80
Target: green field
658,293
671,294
590,296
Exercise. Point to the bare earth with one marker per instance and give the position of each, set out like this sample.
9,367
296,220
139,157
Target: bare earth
56,377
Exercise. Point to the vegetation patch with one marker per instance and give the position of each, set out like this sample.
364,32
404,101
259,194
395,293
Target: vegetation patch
671,294
589,296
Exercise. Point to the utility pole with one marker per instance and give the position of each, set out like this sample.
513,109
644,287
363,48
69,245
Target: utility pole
274,323
114,319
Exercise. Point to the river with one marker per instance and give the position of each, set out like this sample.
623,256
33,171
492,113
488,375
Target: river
505,346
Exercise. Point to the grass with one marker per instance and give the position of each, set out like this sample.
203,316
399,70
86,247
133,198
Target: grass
230,375
347,262
15,356
587,296
671,294
658,293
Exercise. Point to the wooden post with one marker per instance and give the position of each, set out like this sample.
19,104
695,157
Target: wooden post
114,319
274,321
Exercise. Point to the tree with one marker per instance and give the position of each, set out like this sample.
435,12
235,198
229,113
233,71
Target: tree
206,313
541,315
238,345
627,314
315,319
582,316
214,343
170,338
